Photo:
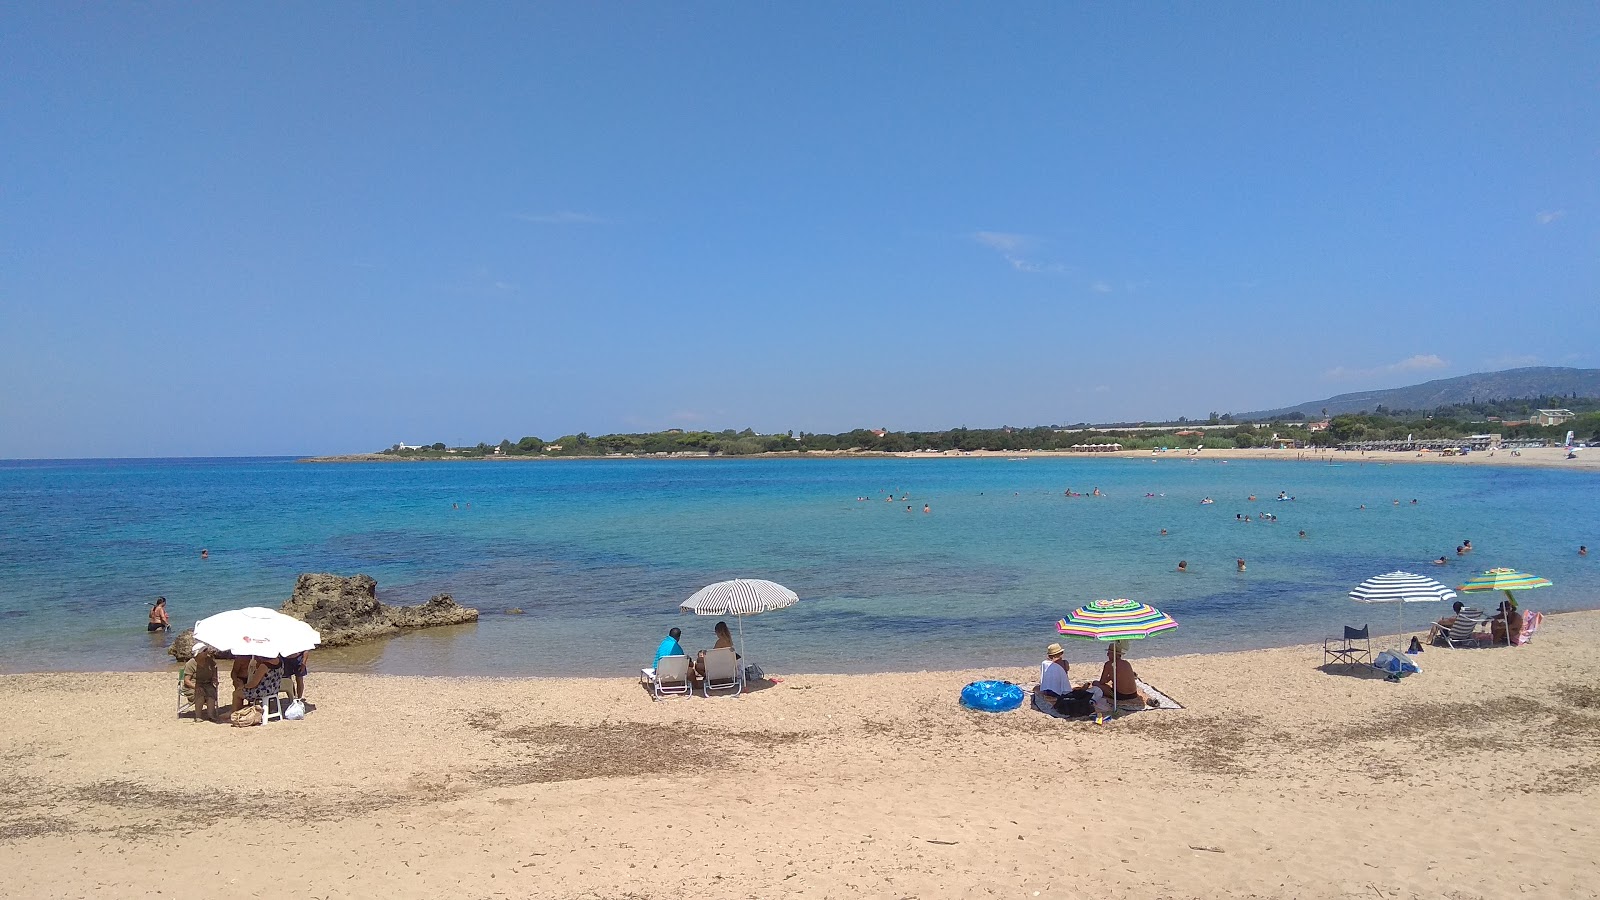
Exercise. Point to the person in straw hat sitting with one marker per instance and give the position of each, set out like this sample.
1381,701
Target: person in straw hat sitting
1054,680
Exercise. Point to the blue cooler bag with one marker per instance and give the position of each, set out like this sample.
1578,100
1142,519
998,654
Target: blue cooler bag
991,696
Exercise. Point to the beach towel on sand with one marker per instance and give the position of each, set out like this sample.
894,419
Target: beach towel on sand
1163,700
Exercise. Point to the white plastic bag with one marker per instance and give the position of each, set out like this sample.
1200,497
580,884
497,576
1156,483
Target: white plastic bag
296,710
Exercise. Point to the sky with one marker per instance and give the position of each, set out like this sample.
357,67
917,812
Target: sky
314,228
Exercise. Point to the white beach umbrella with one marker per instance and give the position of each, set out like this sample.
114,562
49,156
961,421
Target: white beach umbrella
739,597
256,631
1401,588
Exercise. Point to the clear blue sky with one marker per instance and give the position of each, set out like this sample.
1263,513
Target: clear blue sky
326,227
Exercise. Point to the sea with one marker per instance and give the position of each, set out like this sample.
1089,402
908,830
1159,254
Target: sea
578,566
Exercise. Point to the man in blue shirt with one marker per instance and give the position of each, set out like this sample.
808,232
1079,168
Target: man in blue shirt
669,647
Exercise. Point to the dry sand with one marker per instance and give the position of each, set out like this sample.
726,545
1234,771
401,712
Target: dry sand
1474,779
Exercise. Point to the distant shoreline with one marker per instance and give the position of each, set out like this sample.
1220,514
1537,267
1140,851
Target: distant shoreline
1541,457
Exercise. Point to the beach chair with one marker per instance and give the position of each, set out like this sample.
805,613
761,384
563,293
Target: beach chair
670,677
1530,623
1463,632
1354,649
722,672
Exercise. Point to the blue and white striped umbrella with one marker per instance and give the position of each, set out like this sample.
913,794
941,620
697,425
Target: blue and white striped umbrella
1401,588
739,598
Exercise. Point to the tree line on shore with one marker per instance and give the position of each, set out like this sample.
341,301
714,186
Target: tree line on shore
1445,422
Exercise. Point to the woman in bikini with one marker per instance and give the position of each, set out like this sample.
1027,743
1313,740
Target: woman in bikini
158,616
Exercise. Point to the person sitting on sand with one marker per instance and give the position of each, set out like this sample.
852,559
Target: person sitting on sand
1506,618
265,679
1118,678
158,616
1054,683
200,681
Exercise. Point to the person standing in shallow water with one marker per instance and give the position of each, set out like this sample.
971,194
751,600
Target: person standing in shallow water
158,616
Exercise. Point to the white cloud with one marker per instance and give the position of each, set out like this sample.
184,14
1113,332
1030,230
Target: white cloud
564,217
1014,248
1422,362
1101,287
1550,215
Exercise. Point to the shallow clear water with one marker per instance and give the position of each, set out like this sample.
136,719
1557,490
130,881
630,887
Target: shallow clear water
598,553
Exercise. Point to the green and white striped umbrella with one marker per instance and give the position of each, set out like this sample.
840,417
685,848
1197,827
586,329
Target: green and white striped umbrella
1505,580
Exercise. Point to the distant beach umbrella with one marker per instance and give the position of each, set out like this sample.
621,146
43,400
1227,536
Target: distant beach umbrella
1506,580
739,597
256,631
1115,620
1401,588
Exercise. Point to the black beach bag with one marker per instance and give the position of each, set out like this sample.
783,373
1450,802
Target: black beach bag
1078,702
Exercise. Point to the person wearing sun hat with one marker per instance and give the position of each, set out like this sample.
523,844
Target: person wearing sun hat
1054,679
199,681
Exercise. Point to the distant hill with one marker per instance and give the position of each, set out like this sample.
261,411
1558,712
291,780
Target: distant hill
1510,384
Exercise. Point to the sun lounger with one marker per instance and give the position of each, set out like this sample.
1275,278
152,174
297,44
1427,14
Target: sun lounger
722,672
670,677
1530,623
1462,632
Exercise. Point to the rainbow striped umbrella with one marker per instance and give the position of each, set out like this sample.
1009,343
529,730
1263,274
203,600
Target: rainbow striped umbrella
1115,620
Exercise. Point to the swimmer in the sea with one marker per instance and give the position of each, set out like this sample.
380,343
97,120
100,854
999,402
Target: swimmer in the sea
1441,561
1183,565
204,553
1302,535
926,508
1583,550
1239,563
1164,532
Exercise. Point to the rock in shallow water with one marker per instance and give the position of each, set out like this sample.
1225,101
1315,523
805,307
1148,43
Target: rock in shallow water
346,611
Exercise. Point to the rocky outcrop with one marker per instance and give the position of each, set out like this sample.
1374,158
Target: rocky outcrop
347,611
183,645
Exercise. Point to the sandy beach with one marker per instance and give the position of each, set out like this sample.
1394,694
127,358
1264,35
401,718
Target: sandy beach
1474,779
1542,457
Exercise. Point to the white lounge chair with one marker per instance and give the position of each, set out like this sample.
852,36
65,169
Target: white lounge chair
670,677
722,672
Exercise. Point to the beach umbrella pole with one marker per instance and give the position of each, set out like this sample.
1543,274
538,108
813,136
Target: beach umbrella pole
744,655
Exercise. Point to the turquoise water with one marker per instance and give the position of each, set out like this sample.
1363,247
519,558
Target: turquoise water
599,553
